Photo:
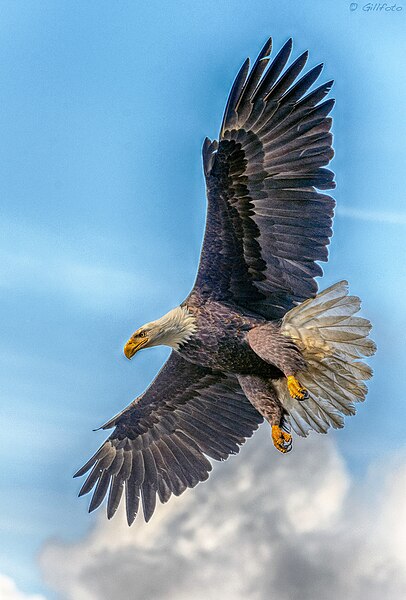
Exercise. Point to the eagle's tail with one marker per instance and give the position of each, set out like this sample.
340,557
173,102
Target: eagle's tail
333,342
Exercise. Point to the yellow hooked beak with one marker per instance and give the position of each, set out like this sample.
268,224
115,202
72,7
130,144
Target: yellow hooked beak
133,345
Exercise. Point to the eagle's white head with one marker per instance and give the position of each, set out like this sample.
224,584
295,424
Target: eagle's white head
173,329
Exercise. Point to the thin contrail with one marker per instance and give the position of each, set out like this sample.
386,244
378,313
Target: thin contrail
393,218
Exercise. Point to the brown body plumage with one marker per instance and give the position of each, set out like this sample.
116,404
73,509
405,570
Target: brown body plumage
221,341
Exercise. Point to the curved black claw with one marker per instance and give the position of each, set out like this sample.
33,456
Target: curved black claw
288,445
303,396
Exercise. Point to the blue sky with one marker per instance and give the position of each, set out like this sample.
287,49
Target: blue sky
104,108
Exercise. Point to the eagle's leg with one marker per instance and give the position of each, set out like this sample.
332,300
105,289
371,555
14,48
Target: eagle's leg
281,351
262,395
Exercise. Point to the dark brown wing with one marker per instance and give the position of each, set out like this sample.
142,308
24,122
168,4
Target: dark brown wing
267,225
160,441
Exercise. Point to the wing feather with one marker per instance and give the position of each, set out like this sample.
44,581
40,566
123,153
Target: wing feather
161,442
267,224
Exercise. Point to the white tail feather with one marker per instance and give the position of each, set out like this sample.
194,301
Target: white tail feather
332,341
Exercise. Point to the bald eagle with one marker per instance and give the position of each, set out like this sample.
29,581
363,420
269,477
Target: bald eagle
253,340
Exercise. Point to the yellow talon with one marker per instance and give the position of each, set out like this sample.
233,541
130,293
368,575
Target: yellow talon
281,440
296,390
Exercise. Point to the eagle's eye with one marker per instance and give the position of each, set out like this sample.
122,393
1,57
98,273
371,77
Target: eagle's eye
142,334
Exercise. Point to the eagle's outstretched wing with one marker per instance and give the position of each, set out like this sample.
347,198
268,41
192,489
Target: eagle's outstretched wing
266,223
160,440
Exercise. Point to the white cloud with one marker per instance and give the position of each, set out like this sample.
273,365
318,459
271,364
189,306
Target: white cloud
264,525
9,590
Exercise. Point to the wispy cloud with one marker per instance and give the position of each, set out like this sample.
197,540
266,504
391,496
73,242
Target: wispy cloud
389,217
263,525
40,262
96,287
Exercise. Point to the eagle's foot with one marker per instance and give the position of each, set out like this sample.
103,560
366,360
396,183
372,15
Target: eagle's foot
281,440
296,390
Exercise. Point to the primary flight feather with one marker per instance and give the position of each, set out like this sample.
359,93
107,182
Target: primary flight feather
253,340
